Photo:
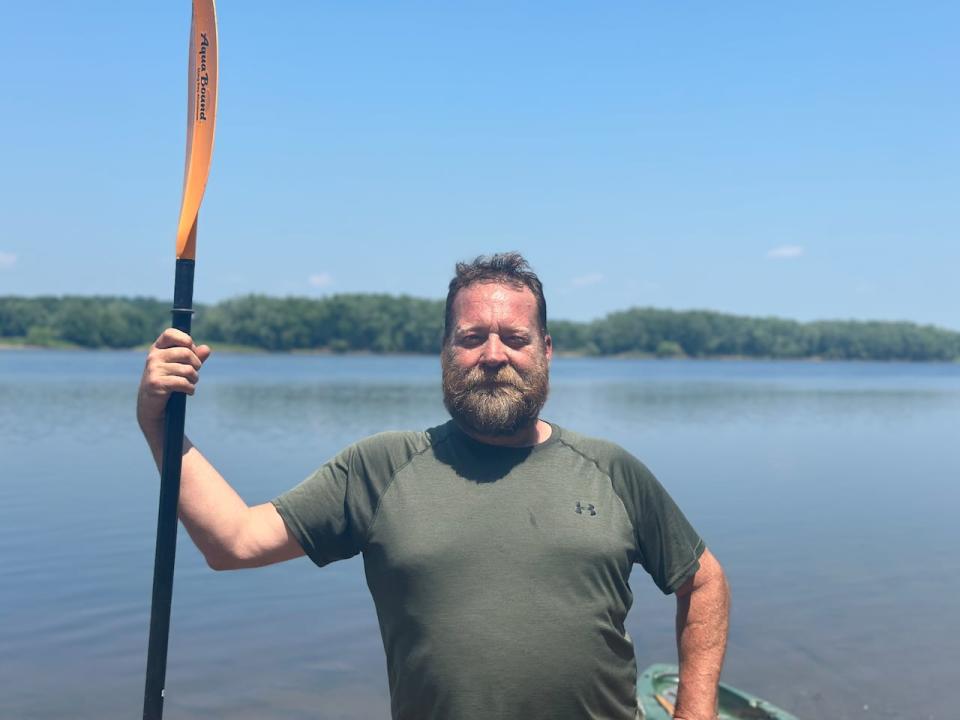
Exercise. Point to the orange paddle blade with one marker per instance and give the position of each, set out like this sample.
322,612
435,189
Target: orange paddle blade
201,116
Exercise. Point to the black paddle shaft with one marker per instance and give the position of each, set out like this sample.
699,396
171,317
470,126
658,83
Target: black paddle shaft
167,516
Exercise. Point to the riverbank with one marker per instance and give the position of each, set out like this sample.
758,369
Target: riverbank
15,344
379,323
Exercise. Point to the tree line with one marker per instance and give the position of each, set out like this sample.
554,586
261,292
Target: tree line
391,324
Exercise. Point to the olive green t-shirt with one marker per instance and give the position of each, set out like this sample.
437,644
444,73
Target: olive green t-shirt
500,575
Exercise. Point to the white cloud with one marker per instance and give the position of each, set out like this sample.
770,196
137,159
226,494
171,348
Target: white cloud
587,280
785,252
320,280
7,260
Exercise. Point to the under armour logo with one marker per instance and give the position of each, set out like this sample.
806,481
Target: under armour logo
588,508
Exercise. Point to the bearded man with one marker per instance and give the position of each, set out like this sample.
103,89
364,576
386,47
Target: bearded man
497,547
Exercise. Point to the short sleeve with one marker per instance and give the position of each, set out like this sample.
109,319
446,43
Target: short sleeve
316,512
330,513
668,547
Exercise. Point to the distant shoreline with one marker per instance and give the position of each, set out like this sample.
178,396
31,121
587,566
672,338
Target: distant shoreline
382,324
227,349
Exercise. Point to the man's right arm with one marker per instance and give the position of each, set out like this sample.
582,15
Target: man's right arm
228,532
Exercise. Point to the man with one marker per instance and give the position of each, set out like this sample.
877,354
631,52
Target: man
497,547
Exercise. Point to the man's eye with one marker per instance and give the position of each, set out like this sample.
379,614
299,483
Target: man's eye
471,340
516,340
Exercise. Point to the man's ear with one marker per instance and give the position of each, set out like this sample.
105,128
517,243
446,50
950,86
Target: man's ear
548,346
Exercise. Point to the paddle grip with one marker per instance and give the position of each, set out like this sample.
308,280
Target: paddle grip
183,295
167,513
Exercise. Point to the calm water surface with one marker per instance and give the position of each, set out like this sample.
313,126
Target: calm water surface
829,492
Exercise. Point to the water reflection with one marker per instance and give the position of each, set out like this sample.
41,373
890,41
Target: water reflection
828,490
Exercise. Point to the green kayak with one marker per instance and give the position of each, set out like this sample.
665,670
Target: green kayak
657,693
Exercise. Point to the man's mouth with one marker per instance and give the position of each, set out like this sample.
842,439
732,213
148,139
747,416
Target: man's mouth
490,387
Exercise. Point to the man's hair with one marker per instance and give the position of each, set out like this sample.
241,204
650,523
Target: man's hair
509,268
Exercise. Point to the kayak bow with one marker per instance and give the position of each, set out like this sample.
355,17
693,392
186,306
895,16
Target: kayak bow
657,694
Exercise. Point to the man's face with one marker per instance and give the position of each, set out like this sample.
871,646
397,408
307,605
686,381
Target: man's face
496,362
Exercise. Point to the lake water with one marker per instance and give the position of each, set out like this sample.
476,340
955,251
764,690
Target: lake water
828,491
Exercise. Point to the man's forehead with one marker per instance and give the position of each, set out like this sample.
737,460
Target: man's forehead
482,303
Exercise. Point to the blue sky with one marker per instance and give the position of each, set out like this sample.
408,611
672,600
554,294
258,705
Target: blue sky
790,159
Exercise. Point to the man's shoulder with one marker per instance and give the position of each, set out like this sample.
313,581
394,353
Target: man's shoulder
395,448
611,458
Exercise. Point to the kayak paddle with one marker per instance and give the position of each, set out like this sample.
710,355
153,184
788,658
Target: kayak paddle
201,112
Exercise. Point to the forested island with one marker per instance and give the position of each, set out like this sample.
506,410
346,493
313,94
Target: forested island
401,324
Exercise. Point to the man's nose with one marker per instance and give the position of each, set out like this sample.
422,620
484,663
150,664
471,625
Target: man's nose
494,352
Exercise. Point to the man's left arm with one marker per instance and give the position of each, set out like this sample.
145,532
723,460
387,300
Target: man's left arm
703,612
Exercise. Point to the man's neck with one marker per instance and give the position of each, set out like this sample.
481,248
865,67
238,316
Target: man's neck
534,434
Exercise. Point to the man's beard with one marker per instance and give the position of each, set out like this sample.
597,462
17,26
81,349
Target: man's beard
494,403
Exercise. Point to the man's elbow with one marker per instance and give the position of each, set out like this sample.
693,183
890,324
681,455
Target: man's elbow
222,561
227,556
226,548
263,539
238,557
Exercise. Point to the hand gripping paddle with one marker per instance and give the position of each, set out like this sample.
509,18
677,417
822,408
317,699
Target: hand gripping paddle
201,113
